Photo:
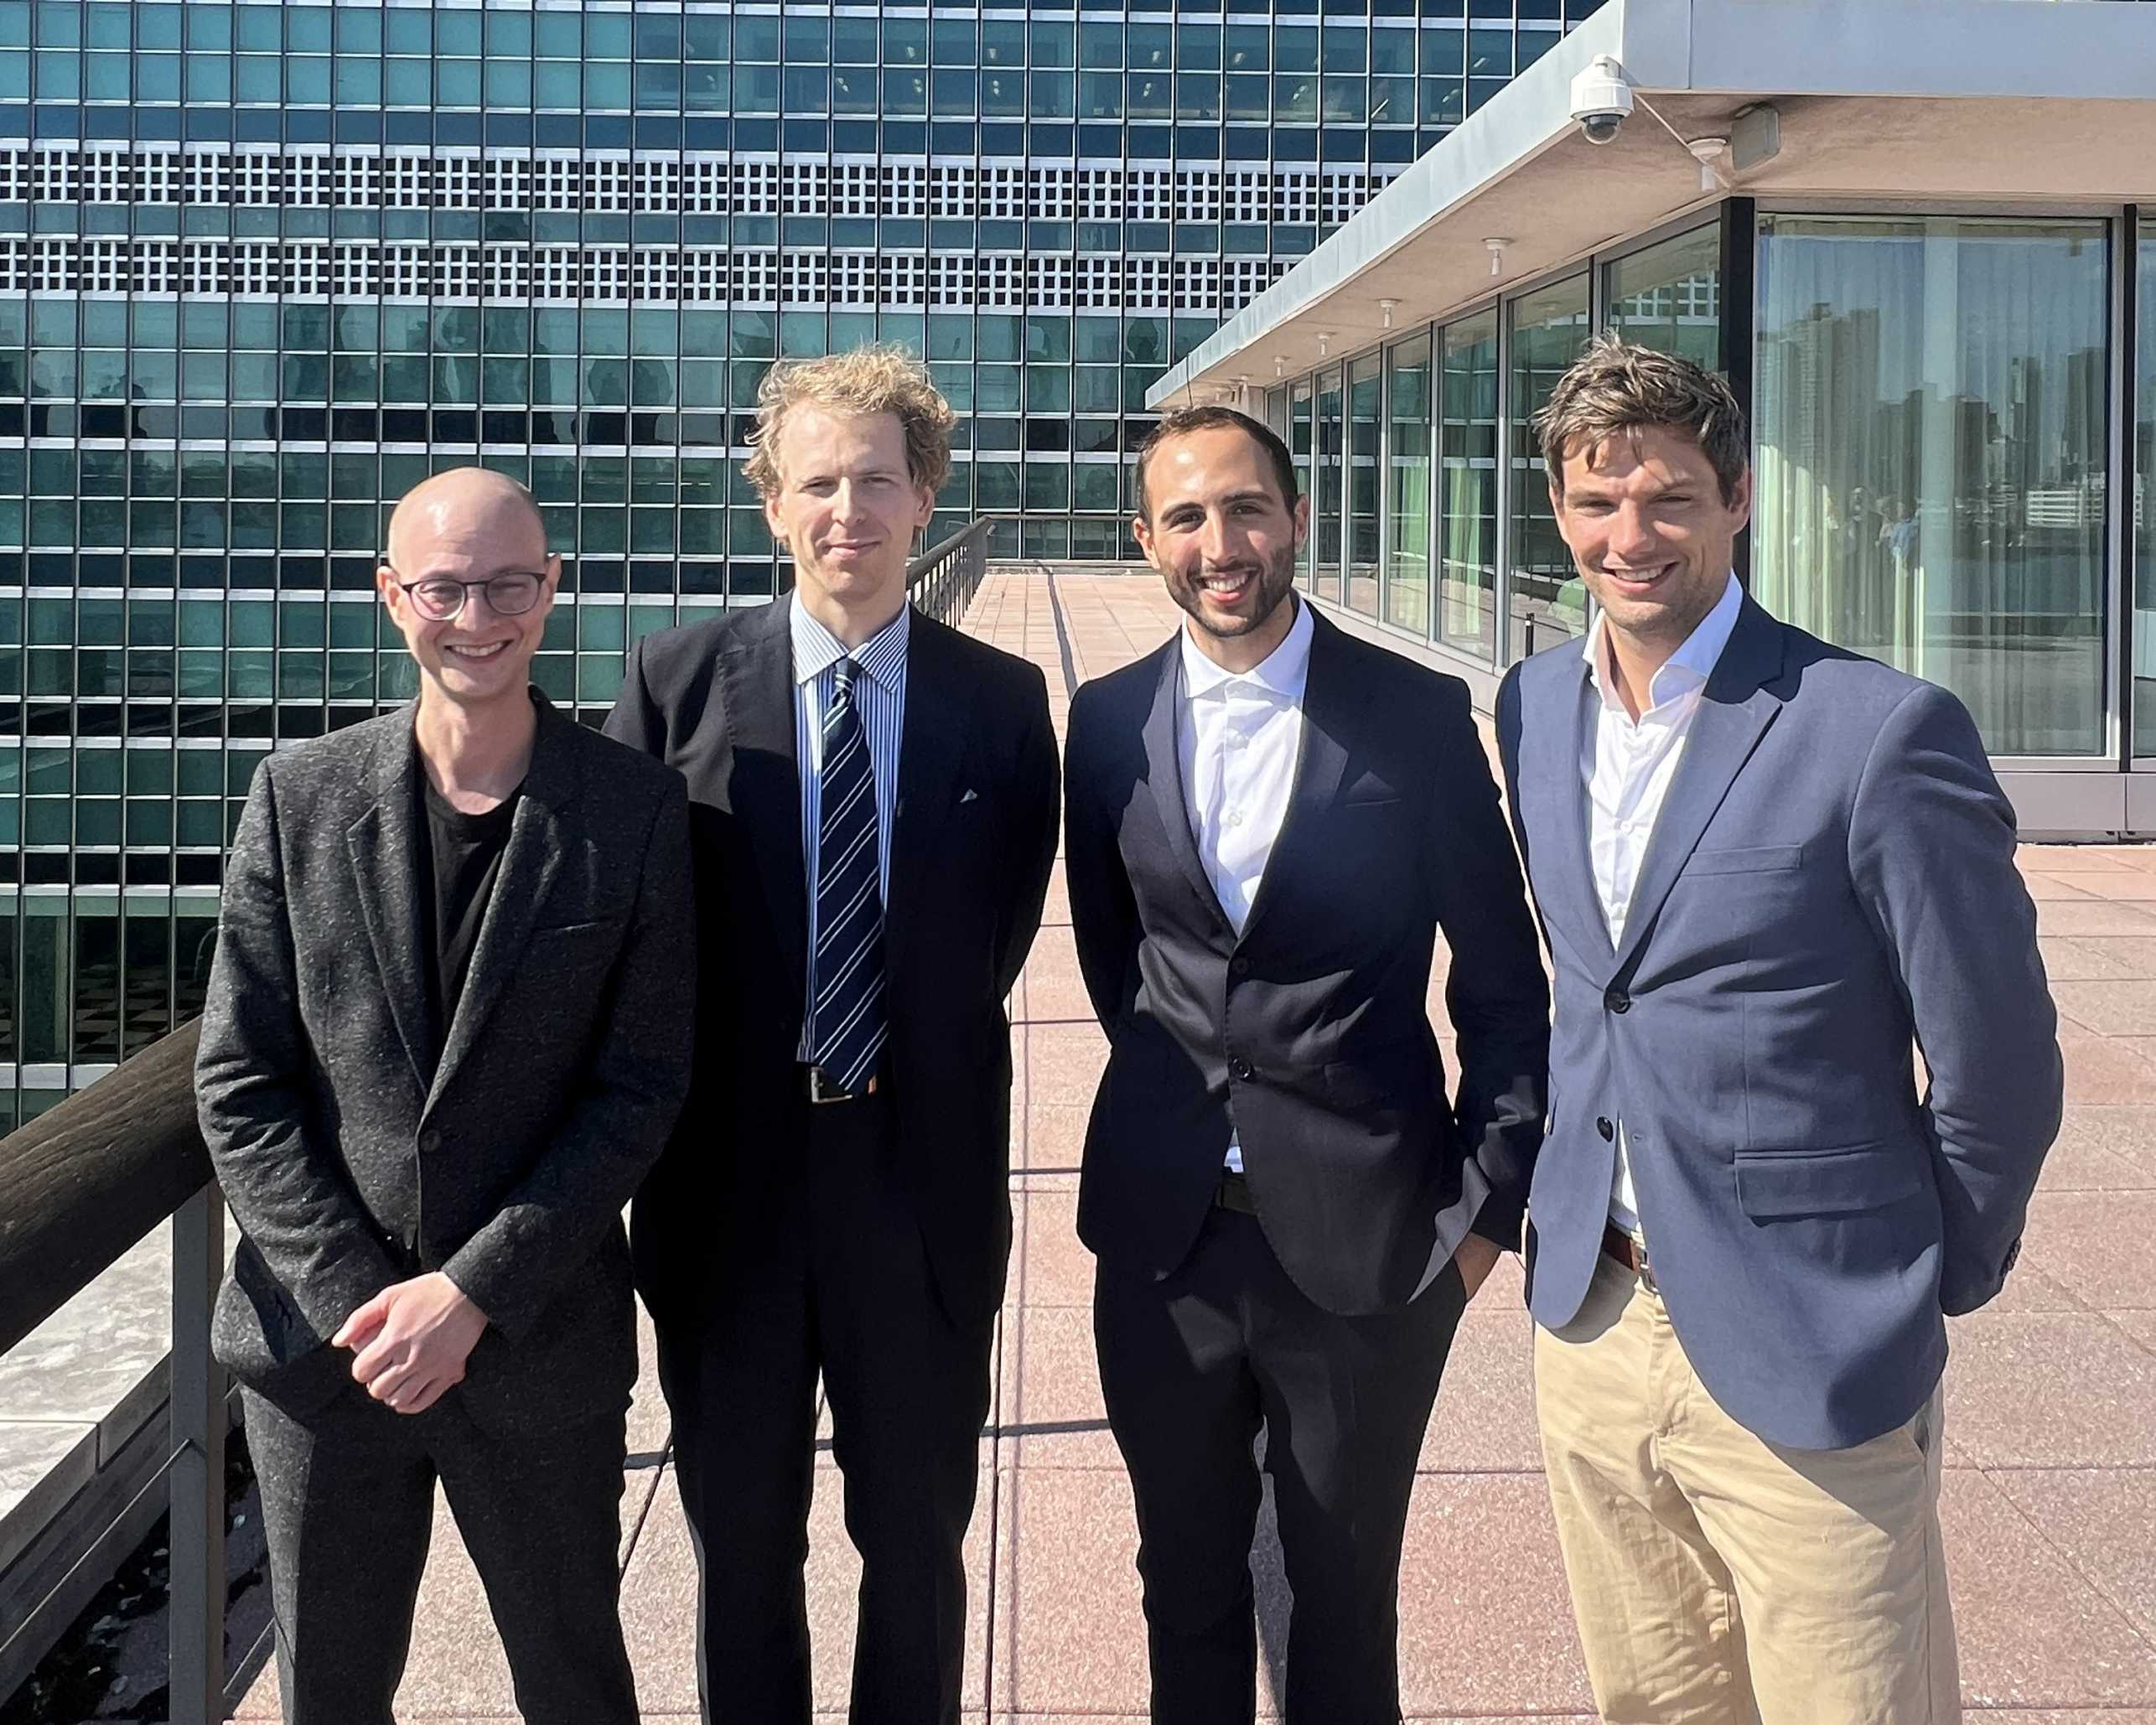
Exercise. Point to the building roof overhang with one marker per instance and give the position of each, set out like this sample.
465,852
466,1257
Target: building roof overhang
2011,102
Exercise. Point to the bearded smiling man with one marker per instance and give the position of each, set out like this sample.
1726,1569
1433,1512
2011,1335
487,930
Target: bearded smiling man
1268,822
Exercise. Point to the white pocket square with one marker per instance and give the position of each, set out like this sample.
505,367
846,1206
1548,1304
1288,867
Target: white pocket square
971,796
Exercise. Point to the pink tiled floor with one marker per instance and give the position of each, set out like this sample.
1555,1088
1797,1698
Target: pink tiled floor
2050,1508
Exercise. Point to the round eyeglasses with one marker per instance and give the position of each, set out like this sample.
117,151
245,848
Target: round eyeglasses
440,600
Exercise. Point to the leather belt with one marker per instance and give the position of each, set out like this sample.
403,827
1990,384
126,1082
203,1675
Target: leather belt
820,1088
1233,1193
1617,1244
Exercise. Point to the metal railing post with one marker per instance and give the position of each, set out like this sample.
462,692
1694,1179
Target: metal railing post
196,1653
943,579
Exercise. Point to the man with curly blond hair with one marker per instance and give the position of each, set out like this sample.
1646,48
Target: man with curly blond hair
873,801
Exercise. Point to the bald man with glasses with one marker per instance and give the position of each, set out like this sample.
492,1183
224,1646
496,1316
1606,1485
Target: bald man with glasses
448,1030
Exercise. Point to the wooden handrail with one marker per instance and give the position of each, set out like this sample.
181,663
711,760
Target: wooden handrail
89,1178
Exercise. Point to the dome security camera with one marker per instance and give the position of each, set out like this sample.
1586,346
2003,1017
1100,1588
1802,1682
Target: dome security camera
1601,100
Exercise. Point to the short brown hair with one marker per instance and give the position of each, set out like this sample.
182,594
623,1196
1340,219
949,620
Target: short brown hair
1182,422
868,380
1618,387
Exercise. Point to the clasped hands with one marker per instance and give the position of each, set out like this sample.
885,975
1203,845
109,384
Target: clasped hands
410,1342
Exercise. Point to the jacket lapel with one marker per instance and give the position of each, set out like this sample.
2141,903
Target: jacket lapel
1164,778
1734,712
1555,796
1331,699
529,863
931,751
756,680
384,852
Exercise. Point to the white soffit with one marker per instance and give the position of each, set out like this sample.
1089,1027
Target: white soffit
2007,101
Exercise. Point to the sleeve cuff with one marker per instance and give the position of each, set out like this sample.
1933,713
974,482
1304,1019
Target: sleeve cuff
1502,1220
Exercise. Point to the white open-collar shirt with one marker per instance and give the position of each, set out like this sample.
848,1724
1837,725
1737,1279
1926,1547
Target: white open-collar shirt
1238,735
1627,765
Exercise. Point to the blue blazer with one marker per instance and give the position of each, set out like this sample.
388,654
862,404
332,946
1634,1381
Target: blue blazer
1831,878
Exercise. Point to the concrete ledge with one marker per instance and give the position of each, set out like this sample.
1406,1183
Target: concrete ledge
43,1464
84,1434
79,1547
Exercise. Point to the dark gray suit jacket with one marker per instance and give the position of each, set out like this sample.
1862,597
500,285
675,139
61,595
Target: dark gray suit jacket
359,1144
1831,879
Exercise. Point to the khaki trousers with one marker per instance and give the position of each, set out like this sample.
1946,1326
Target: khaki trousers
1719,1579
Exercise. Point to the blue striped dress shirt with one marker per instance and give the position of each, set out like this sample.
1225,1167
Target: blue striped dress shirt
879,697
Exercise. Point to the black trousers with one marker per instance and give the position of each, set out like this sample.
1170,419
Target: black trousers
840,1285
348,1508
1191,1367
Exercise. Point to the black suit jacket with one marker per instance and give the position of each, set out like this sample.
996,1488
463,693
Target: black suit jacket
1309,1035
360,1143
973,843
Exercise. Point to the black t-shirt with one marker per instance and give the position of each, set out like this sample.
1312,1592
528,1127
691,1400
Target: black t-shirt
464,851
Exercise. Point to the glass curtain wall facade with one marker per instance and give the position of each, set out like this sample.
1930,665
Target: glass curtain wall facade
1940,451
1466,529
263,266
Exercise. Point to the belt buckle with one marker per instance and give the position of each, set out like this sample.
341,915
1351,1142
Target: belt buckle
1646,1270
823,1091
1634,1257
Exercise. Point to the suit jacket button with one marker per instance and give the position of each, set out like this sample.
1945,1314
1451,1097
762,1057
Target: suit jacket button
1618,1001
1603,1126
1239,1068
1239,966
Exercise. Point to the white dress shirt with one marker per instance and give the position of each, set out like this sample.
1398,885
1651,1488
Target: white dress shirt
1627,765
1238,737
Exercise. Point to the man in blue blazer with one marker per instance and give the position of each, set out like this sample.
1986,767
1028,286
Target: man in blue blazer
1767,871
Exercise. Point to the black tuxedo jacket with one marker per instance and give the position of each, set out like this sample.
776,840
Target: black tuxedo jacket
974,840
1310,1035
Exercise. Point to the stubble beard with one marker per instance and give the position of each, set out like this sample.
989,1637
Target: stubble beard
1274,584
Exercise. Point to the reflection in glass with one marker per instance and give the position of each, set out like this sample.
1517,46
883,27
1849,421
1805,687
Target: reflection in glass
1364,407
2142,523
44,979
1467,606
96,980
147,979
1299,444
1325,500
1669,296
1408,484
193,946
1548,601
1930,455
8,982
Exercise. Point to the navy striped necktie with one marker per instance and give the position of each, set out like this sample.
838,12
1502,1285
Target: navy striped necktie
846,1021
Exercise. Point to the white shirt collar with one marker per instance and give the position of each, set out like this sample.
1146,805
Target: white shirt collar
817,649
1282,673
1687,668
